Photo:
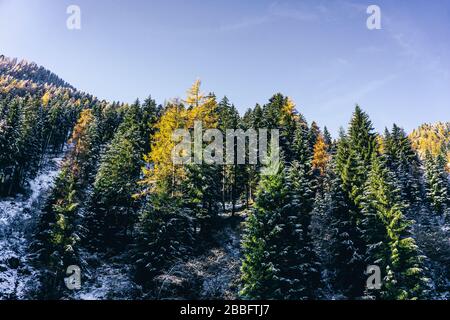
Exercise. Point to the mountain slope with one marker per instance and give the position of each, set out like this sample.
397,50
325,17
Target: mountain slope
434,138
30,72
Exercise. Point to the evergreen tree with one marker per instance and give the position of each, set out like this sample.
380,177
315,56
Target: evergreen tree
354,155
202,188
113,208
388,237
301,144
280,114
437,182
58,236
403,161
279,261
228,119
327,138
261,263
342,254
302,264
10,140
314,133
165,235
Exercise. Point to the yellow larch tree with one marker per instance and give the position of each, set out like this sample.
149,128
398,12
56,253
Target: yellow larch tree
46,98
201,107
81,140
321,156
161,174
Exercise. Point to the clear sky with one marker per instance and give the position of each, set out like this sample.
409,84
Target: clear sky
318,52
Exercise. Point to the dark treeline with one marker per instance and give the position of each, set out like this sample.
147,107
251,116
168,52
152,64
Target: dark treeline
326,211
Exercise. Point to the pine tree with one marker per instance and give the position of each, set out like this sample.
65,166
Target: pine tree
314,133
165,235
354,157
261,263
327,138
83,155
437,182
280,113
10,139
388,237
403,161
151,112
113,208
279,261
342,254
202,188
301,144
233,176
252,119
302,264
58,236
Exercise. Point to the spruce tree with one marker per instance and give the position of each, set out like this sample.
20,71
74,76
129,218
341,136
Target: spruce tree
231,175
327,138
279,260
261,265
165,234
58,236
342,253
302,267
280,113
388,236
112,205
404,163
354,155
437,183
355,152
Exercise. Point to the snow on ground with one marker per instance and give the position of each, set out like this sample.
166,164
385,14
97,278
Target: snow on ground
214,274
16,216
106,279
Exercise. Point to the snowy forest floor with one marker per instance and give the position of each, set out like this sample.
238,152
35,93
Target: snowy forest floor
17,221
212,272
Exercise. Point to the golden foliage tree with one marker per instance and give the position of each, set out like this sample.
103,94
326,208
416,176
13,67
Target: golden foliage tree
82,140
161,174
321,156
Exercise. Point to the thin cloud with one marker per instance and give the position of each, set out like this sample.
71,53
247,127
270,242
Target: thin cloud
278,10
246,23
347,99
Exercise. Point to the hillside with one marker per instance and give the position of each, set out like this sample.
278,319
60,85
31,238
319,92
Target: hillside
433,138
93,184
26,72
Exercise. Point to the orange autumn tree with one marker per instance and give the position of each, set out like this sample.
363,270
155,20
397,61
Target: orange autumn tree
83,141
321,156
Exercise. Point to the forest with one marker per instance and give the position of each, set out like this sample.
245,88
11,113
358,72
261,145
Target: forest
141,227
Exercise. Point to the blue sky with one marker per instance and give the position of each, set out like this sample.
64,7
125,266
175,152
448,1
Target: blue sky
320,53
